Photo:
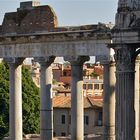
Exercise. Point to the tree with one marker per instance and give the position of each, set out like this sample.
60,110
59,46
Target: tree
30,96
4,100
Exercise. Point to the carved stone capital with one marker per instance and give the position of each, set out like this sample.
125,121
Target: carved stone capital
45,60
14,61
125,58
77,60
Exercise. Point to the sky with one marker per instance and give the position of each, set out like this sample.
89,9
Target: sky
72,12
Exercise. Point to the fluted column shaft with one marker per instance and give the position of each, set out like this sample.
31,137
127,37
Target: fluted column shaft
15,114
46,108
125,106
125,73
109,101
137,100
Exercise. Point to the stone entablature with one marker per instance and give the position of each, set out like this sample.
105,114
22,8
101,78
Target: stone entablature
72,43
125,36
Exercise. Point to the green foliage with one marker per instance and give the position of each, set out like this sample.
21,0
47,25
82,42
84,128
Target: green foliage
30,103
55,82
4,100
30,95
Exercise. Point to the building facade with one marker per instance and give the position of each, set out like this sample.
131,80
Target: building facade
62,116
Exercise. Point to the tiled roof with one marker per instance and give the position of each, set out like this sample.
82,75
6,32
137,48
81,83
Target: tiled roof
97,97
96,101
98,70
65,102
62,102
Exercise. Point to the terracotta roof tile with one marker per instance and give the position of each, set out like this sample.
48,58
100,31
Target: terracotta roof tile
98,70
65,102
95,102
62,102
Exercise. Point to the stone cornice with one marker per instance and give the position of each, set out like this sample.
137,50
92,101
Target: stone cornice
55,36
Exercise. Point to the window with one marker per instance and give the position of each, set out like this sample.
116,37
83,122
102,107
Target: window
63,134
100,119
102,86
90,86
96,86
100,115
84,86
63,119
69,119
86,119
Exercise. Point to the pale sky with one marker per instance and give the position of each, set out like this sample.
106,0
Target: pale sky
72,12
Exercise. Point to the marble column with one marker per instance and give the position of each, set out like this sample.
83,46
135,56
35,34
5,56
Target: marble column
137,99
109,100
46,108
15,113
125,73
77,108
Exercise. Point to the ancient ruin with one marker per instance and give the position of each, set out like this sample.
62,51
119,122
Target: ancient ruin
33,31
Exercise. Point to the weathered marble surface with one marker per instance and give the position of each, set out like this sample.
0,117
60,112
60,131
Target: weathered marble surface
134,4
87,43
56,49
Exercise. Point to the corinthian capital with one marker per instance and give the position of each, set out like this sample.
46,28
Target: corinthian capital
14,61
76,60
45,60
125,58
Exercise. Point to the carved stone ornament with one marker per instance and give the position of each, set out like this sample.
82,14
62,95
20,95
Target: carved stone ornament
45,60
132,4
125,58
14,61
77,60
128,14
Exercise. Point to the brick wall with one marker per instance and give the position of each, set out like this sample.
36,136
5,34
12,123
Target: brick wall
41,18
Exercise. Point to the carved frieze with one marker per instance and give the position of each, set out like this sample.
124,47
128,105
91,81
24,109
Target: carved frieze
79,48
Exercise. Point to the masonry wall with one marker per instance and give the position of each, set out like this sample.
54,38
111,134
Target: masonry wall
41,18
60,128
